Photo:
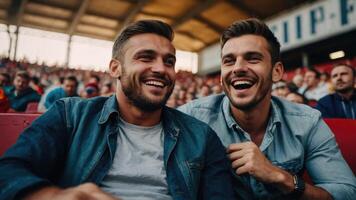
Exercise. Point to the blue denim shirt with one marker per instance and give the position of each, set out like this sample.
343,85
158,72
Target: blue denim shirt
296,138
75,141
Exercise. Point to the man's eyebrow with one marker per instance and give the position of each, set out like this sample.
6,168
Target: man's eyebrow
146,51
253,53
227,55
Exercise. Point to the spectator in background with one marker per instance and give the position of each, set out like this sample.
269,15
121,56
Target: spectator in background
4,101
5,79
311,90
270,141
280,89
204,91
298,80
342,103
217,89
68,89
296,98
57,82
107,89
94,79
21,93
35,84
91,90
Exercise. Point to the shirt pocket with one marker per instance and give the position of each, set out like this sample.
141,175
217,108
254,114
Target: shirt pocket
195,168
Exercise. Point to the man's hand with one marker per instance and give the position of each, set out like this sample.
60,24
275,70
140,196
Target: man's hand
87,191
247,158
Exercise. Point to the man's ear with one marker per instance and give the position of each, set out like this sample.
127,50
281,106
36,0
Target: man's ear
115,68
277,72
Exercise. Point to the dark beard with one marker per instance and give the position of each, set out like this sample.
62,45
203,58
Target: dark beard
345,90
141,102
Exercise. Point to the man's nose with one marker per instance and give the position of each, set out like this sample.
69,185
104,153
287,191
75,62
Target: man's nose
158,66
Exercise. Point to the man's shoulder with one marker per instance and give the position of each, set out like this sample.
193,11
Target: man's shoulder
327,98
210,103
78,101
290,109
79,104
187,123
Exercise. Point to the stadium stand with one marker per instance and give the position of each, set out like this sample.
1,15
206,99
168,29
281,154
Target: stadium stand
11,125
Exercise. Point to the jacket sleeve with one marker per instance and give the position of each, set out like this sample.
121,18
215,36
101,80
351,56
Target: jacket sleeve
322,150
216,181
35,159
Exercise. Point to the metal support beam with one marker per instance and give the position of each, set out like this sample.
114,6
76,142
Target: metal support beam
211,25
15,11
69,44
10,40
130,16
193,13
191,36
241,6
16,41
78,15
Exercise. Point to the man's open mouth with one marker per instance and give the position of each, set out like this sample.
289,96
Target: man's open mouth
155,83
242,84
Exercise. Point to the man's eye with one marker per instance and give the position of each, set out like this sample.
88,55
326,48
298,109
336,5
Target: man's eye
146,58
228,61
170,62
254,60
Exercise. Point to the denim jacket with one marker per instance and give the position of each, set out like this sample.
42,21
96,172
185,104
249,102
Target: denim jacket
75,141
296,138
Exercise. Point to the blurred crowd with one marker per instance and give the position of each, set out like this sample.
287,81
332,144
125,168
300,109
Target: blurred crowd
23,83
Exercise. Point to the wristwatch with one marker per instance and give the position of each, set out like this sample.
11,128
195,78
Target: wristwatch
299,186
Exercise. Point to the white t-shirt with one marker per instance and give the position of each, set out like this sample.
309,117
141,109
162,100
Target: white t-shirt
138,170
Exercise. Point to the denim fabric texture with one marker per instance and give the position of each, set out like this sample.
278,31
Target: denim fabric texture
296,139
75,140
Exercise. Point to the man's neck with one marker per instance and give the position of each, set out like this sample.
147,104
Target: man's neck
347,94
254,121
135,115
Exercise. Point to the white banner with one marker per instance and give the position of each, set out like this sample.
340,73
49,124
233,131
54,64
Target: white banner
314,22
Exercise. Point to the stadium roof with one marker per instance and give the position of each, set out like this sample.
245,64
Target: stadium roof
197,23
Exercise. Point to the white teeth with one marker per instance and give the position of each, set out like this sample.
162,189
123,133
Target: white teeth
155,83
235,83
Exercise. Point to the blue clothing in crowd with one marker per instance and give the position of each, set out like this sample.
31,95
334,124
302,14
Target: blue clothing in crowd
75,142
55,95
296,138
19,102
335,106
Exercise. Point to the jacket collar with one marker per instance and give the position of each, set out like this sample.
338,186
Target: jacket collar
274,117
168,118
110,107
340,98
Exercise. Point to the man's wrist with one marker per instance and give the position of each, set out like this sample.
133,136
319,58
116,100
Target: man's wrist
283,181
299,187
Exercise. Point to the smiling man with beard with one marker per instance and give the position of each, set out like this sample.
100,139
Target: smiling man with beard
270,141
127,146
341,104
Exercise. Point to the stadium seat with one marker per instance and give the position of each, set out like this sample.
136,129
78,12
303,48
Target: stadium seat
32,107
345,135
11,125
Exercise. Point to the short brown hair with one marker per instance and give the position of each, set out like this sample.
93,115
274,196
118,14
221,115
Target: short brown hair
141,27
23,74
255,27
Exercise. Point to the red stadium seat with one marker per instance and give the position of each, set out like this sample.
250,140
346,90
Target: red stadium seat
32,107
11,125
345,135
